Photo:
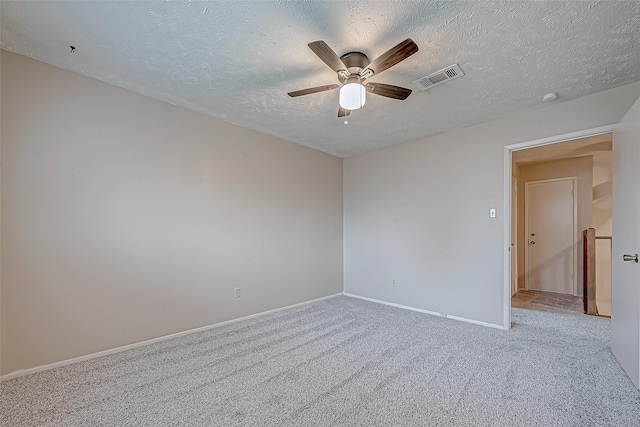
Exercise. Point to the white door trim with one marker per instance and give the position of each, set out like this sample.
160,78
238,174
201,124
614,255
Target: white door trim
574,273
514,240
508,150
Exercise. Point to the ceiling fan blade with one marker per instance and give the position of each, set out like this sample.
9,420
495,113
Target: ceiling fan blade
342,112
312,90
396,54
390,91
328,56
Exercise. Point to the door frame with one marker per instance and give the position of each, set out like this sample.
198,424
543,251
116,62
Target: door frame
508,150
574,246
514,238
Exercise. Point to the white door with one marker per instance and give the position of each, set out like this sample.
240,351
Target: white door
625,282
550,229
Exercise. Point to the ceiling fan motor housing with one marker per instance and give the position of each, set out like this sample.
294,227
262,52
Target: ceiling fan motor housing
355,61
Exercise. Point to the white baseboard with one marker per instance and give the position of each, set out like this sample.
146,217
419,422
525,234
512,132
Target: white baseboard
29,371
432,313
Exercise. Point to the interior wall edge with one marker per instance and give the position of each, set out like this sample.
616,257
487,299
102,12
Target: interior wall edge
430,313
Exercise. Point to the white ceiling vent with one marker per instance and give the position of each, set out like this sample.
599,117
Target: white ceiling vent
439,77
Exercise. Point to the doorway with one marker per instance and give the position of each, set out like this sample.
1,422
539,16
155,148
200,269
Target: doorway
585,146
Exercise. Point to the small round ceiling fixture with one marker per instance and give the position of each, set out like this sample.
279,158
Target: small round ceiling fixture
551,96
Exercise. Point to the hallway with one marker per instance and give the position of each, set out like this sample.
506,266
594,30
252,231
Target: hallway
546,301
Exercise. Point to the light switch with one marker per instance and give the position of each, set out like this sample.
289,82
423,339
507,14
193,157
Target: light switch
492,213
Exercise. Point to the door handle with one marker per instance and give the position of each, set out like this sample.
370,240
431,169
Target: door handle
633,258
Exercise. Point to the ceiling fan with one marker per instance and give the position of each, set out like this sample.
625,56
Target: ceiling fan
354,71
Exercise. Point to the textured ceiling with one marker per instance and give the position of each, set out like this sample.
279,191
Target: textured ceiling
237,60
564,150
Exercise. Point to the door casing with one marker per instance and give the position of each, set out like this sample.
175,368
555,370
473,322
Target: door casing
514,238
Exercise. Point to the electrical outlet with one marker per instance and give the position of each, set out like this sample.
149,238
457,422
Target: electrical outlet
236,292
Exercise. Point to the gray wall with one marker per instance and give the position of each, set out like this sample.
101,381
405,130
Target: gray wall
125,218
418,213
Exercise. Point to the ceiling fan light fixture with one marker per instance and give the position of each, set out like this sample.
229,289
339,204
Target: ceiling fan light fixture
353,94
353,68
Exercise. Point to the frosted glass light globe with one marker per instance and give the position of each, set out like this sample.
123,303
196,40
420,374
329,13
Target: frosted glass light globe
353,95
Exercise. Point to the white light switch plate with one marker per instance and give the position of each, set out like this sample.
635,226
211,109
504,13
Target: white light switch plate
492,213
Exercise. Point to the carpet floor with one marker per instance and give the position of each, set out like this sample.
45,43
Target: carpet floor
344,362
